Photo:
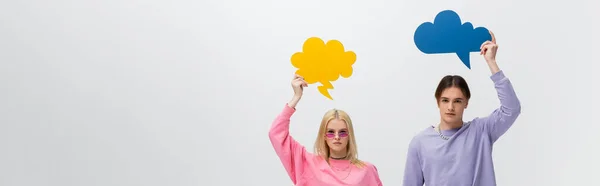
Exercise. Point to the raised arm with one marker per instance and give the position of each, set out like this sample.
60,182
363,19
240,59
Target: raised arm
413,172
502,118
290,152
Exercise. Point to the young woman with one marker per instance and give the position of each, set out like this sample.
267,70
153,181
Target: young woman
335,161
455,152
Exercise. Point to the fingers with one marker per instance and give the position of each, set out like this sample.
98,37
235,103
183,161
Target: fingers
482,47
297,77
489,47
300,78
303,82
485,43
493,37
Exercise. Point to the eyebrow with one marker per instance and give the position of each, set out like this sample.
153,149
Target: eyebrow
449,98
340,129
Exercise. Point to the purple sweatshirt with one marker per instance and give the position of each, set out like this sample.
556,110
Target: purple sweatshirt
466,158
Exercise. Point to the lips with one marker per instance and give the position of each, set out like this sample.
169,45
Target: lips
337,143
450,114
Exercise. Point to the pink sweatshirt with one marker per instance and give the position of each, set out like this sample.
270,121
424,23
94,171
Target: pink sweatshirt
308,169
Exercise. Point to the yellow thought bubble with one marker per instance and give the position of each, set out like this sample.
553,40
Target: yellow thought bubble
323,63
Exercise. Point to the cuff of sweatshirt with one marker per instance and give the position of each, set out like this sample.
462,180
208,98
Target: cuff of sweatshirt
498,76
288,111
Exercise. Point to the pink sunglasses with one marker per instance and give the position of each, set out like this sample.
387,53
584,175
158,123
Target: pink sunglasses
331,134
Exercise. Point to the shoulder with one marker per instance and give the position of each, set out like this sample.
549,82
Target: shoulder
314,157
368,165
424,132
420,136
476,124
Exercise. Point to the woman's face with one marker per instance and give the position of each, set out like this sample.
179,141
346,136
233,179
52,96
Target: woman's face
336,135
452,103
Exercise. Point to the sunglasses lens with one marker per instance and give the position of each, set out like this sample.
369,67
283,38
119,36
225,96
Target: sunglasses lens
341,134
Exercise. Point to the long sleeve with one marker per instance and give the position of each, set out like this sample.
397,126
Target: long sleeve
502,118
376,176
413,172
290,152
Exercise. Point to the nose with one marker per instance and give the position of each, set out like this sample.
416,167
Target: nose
450,107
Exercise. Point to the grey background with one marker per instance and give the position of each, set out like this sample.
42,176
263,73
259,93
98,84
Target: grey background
151,93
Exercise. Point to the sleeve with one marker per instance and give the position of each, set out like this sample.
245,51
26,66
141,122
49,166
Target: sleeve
502,118
413,172
377,179
290,152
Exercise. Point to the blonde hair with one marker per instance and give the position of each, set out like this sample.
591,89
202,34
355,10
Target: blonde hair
321,147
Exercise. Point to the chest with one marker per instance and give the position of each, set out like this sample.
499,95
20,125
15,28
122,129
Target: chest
460,152
339,177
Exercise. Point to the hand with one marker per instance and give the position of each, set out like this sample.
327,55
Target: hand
489,48
297,84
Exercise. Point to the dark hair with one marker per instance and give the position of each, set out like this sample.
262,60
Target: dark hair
452,81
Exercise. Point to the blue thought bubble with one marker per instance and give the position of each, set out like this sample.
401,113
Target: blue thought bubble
447,34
